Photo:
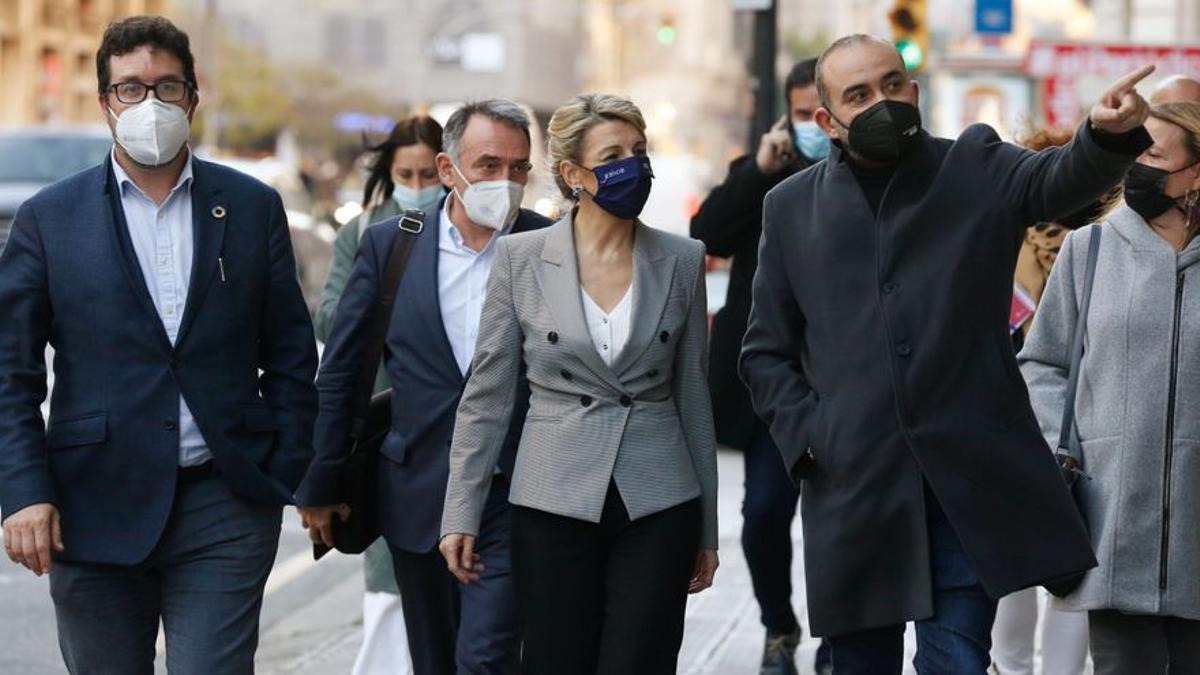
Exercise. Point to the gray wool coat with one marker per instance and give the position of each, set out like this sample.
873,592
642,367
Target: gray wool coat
1138,412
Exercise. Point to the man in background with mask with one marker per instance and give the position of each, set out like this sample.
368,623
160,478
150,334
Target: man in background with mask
183,402
729,223
878,353
451,627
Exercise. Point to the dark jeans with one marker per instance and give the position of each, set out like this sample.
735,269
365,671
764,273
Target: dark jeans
768,508
603,598
204,580
956,640
465,628
1125,643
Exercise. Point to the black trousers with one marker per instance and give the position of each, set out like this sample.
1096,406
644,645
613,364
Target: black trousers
603,598
463,628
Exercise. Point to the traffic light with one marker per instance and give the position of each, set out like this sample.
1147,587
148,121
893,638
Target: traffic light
910,32
666,30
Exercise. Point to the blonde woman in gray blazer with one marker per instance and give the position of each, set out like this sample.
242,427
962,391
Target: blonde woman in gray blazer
614,489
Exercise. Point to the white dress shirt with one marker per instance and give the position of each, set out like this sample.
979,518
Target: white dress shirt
610,331
462,286
162,240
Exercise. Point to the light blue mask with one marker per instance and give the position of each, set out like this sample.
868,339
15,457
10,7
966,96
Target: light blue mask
810,140
425,199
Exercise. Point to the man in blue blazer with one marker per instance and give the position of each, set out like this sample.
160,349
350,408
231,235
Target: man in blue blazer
181,419
429,347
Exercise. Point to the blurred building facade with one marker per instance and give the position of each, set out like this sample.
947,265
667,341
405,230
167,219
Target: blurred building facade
48,56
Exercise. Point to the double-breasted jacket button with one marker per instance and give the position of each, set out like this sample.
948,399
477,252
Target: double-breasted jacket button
566,375
585,400
664,336
626,401
169,424
652,374
890,287
903,349
552,337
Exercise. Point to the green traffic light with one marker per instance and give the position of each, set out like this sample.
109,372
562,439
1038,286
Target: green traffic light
911,53
666,34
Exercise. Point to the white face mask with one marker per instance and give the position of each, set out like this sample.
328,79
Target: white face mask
491,203
152,132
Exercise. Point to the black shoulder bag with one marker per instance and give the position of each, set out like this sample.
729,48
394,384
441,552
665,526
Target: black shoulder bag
1070,453
372,413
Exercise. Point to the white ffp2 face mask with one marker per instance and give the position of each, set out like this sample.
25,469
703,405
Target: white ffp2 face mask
152,132
491,203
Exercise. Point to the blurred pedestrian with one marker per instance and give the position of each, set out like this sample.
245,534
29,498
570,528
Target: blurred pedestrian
729,223
893,391
1134,411
431,340
403,176
1175,89
183,400
1063,635
614,492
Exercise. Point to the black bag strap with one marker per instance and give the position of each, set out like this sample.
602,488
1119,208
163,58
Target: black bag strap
1077,335
409,226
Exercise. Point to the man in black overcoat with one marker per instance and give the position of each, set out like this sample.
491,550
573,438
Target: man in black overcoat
878,354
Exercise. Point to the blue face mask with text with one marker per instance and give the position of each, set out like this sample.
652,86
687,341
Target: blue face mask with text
624,186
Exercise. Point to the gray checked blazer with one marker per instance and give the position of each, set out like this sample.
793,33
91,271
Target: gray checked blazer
645,422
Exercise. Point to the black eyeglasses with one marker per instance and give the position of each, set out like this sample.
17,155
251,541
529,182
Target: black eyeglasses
167,91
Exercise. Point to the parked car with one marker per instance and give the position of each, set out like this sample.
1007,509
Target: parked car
35,157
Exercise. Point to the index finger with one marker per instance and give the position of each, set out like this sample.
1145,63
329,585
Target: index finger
1126,83
780,124
467,552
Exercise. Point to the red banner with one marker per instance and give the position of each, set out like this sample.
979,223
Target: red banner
1060,65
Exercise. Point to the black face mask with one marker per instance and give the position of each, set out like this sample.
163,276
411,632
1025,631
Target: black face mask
885,132
1146,191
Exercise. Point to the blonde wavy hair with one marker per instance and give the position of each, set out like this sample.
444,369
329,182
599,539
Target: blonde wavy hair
1186,116
571,122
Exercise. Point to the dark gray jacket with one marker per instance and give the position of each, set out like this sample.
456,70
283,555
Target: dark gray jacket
881,343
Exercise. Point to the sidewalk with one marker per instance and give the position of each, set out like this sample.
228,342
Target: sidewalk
320,634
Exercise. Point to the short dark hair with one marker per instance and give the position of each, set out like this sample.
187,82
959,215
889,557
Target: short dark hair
802,75
124,36
838,45
414,130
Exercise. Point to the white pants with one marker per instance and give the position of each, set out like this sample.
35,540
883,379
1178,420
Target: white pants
1064,636
384,648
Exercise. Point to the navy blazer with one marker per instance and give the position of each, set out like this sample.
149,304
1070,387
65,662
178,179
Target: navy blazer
244,360
424,376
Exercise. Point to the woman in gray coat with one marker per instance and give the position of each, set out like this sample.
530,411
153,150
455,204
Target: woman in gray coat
614,516
1138,406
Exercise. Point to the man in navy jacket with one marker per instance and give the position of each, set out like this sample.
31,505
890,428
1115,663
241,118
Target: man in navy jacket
451,627
183,404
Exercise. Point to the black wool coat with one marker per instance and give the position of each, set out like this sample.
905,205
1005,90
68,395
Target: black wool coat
878,353
729,223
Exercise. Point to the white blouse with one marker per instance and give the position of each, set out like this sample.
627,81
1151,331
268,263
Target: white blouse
609,331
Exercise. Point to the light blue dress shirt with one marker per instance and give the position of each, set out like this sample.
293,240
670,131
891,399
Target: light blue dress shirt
162,240
462,286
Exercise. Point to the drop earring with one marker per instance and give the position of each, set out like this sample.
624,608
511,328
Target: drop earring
576,191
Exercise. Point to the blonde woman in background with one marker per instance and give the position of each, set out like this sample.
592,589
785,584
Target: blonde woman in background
1137,410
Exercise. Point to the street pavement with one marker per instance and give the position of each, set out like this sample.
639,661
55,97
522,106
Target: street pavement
312,614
